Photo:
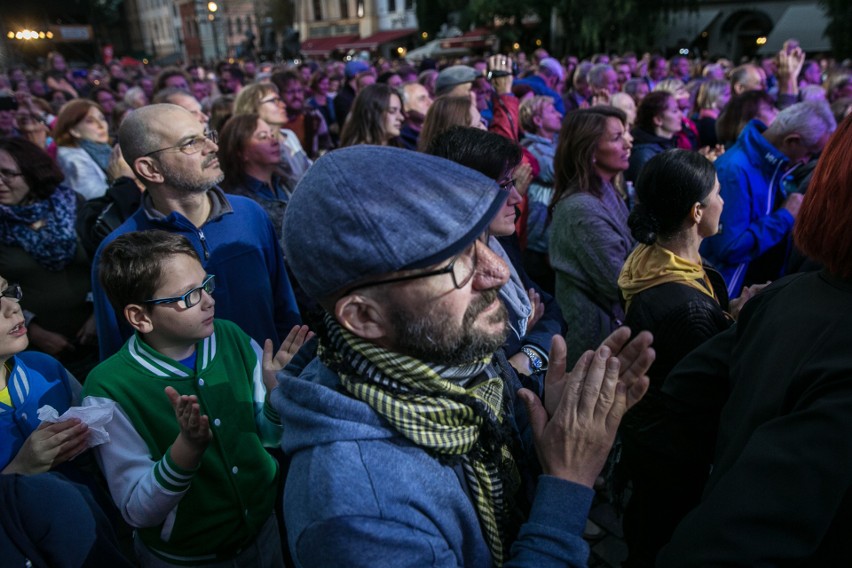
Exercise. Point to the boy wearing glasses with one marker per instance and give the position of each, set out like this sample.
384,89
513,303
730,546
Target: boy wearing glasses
186,463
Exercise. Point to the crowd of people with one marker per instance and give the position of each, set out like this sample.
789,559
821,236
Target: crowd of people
367,313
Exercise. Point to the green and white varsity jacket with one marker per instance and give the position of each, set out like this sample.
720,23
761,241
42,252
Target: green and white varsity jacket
211,513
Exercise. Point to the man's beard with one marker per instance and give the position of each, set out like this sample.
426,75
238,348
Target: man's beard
195,183
434,339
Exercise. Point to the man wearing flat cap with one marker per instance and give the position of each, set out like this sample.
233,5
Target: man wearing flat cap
455,81
409,446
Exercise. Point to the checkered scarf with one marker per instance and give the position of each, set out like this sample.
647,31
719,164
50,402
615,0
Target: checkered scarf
425,403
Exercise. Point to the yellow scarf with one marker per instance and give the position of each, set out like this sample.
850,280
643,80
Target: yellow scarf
652,265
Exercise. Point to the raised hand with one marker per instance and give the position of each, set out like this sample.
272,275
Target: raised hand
574,440
195,433
289,347
634,356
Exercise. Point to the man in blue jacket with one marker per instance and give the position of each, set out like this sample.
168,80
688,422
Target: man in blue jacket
751,247
175,157
407,443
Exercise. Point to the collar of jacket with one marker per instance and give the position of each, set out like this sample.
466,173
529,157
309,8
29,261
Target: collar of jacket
220,206
760,153
162,366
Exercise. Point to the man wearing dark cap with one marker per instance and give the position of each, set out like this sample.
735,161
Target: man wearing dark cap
408,444
455,81
343,101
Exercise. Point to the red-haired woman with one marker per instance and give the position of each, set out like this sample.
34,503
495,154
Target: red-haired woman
780,492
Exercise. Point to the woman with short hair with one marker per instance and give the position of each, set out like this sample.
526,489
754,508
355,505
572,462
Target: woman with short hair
83,151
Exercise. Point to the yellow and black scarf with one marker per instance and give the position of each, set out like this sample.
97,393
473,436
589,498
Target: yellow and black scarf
425,403
652,265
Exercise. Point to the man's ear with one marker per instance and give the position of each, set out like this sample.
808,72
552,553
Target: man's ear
362,316
139,318
792,139
148,170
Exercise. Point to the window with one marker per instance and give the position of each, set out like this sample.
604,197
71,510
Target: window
239,25
409,4
317,10
391,5
230,27
344,9
248,23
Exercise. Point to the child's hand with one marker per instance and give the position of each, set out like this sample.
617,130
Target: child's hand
291,345
195,430
50,445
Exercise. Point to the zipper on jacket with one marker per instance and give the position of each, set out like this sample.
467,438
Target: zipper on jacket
204,244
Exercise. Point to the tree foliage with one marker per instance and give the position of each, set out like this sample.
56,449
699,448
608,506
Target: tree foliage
589,26
839,14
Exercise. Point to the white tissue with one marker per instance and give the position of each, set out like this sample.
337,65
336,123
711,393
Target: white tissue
95,417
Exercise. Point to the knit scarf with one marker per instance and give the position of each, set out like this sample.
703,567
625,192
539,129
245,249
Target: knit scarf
426,404
99,152
652,265
44,229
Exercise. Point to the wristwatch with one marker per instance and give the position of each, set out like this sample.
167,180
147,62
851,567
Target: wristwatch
536,364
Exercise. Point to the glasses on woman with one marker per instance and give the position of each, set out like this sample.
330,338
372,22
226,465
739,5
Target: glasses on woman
12,292
191,298
7,175
273,100
192,146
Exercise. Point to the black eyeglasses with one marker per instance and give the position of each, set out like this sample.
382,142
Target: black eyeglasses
506,185
7,175
12,292
192,297
462,268
192,146
273,100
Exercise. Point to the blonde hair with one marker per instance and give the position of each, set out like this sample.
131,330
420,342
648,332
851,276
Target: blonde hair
249,97
530,109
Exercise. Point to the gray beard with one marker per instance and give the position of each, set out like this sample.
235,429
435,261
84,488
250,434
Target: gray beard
424,338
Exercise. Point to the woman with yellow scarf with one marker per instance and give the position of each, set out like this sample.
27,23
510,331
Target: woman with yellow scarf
671,292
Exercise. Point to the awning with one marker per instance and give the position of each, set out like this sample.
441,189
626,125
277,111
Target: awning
806,23
324,45
480,37
372,43
433,49
686,25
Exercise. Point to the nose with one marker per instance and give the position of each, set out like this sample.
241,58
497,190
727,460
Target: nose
514,196
207,300
9,307
491,270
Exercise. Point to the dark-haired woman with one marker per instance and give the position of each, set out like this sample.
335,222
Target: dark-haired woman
589,238
658,120
250,154
375,118
41,252
670,292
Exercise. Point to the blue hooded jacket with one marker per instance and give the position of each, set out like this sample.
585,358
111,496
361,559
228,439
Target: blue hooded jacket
360,494
750,176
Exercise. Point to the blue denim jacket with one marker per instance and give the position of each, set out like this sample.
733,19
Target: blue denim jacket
360,494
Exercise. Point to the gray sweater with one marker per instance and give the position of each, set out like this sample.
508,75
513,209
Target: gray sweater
589,242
